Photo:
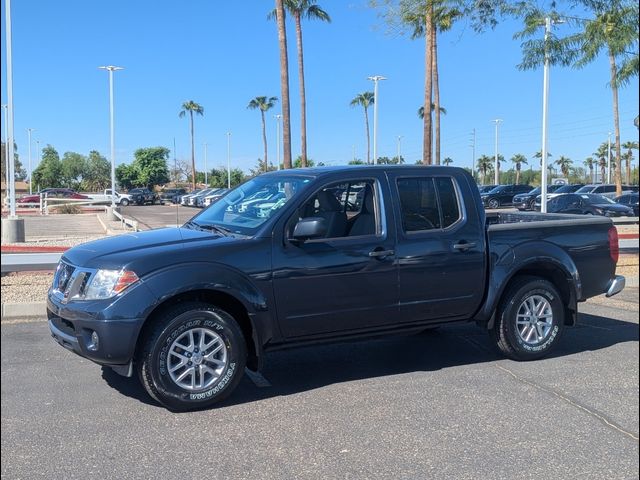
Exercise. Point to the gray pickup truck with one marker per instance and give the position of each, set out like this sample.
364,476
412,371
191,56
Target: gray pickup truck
345,253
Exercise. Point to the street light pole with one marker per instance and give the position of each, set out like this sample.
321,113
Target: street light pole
278,117
6,155
497,173
10,138
206,184
375,79
399,148
473,150
29,130
111,69
228,159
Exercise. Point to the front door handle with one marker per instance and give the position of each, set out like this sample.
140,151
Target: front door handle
381,253
464,246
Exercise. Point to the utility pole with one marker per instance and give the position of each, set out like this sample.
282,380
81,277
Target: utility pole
473,149
375,79
206,183
497,168
399,149
111,69
29,130
6,148
228,159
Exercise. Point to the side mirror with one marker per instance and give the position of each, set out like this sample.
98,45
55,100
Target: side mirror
308,228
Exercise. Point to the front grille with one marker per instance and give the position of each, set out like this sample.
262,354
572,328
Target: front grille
63,276
70,282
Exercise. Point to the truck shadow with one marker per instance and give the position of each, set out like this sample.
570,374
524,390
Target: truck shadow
294,371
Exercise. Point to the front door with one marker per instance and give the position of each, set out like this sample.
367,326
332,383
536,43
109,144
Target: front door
346,280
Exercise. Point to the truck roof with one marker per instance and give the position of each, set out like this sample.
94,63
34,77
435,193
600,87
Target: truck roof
322,171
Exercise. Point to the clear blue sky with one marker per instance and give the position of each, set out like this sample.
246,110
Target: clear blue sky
223,54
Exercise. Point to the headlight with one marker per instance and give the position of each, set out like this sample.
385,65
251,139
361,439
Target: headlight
107,283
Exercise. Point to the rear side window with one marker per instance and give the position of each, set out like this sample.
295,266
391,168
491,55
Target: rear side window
427,203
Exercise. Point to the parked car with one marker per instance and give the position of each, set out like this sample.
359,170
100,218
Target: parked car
214,197
123,199
143,196
502,195
194,200
630,200
32,200
607,190
186,309
486,188
172,194
527,201
587,204
184,199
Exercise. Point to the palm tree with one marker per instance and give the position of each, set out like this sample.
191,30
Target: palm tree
602,154
263,104
485,165
192,107
365,100
300,9
629,157
433,106
538,155
518,159
589,162
284,85
564,163
447,161
613,29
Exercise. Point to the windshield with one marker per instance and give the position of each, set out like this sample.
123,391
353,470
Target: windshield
567,189
596,199
498,189
585,189
245,208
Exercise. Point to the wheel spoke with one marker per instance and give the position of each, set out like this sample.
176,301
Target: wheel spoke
188,371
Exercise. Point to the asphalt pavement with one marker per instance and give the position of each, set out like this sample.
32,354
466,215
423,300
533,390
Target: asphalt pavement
159,216
434,405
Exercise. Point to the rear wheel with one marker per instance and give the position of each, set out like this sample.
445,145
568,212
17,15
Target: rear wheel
124,202
193,357
493,203
530,319
532,205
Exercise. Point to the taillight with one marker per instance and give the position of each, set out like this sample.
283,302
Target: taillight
614,247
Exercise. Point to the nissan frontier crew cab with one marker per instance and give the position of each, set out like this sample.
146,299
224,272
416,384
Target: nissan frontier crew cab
344,253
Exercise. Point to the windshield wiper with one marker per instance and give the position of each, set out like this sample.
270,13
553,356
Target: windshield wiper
225,232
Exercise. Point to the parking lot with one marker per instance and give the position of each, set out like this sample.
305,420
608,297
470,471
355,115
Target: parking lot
433,405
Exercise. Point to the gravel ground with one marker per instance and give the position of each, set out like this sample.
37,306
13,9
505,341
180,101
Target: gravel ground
26,287
56,241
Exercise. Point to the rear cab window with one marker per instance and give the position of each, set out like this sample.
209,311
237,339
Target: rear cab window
428,203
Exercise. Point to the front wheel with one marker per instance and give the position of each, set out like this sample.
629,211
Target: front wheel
530,319
493,203
124,202
193,357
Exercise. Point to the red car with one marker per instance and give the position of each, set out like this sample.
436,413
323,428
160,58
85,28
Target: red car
51,193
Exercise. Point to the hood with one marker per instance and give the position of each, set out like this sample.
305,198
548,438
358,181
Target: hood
115,252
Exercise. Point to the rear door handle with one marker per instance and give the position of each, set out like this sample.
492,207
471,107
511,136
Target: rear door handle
381,253
464,246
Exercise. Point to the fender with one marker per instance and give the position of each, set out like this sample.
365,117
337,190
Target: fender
177,279
528,256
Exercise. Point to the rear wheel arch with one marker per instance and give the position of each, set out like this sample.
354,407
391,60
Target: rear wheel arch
216,298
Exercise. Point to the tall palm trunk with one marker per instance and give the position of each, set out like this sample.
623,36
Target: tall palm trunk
616,123
193,152
303,100
428,89
264,141
518,174
436,91
603,170
591,173
284,85
366,125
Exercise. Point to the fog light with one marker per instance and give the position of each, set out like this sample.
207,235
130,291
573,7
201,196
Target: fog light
95,342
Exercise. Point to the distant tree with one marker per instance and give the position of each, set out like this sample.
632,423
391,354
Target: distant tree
565,164
485,165
589,163
390,161
151,166
192,107
126,176
298,162
218,177
602,154
97,175
263,104
73,167
447,161
260,168
421,110
365,100
179,171
538,155
48,174
19,172
518,159
357,161
628,157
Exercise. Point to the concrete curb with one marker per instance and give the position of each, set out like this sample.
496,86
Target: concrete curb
19,310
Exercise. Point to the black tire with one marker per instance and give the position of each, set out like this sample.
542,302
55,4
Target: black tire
493,203
155,358
511,338
124,202
532,205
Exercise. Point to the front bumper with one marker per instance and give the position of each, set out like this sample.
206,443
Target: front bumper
616,285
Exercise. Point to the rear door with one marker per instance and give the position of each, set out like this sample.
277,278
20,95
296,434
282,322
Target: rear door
348,279
440,250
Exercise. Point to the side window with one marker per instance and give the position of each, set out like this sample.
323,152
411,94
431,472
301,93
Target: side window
348,208
448,201
599,189
610,188
418,204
